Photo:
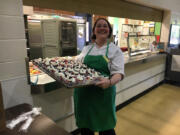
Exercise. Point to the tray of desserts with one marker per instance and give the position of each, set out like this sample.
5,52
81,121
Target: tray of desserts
34,70
68,71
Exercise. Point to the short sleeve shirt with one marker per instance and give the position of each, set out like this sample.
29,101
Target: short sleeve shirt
115,55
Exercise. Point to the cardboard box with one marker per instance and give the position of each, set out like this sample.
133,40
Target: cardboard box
2,112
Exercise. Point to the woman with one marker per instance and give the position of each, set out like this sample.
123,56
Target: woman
95,105
153,46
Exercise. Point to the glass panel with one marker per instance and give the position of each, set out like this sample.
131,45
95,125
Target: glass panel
81,36
175,34
68,34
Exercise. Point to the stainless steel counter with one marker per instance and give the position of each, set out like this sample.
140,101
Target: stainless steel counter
142,58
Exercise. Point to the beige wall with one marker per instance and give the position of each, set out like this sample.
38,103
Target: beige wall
115,8
172,5
12,54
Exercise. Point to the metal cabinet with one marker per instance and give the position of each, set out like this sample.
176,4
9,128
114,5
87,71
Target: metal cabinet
53,38
59,38
68,38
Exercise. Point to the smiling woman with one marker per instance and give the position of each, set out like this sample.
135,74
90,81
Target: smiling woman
101,31
106,58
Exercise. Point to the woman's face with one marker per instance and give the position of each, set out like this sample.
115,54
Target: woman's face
101,30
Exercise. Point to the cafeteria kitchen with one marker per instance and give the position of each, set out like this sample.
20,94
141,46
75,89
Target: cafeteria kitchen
35,30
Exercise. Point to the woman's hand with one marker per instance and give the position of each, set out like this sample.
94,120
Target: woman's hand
103,83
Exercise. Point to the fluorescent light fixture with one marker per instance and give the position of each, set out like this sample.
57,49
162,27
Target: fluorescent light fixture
87,31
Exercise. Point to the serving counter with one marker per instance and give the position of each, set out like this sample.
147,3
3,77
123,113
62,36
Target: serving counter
141,72
143,58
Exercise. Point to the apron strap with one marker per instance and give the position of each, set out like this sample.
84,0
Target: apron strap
90,50
107,49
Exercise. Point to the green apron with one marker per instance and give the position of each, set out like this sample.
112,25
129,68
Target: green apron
94,106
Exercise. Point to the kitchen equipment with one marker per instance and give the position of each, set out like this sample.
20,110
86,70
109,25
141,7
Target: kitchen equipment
53,37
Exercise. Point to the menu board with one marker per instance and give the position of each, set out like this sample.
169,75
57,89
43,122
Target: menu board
145,31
